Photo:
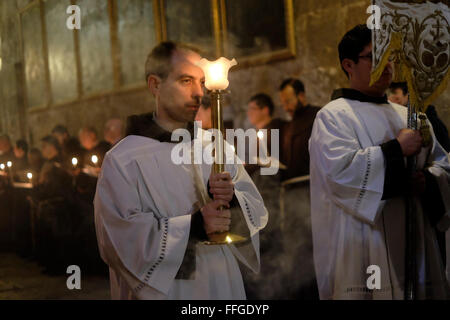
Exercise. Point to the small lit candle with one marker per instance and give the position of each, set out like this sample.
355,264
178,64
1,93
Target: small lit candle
228,239
29,175
2,166
74,161
263,152
9,164
216,72
94,159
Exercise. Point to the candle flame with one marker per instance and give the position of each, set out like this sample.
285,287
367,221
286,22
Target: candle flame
2,166
260,134
94,159
228,239
74,161
9,164
29,175
216,72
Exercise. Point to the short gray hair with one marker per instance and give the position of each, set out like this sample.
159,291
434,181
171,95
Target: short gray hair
159,59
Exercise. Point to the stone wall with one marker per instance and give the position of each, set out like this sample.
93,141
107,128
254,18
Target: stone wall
319,25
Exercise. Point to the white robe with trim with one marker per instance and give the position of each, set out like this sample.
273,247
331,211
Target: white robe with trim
143,206
352,227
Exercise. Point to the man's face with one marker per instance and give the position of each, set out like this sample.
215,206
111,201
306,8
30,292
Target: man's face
397,96
360,74
61,137
255,114
48,150
5,146
179,95
88,140
289,100
19,153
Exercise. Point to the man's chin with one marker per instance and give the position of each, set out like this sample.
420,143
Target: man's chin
383,83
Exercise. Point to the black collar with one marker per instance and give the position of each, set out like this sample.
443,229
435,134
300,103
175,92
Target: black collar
353,94
144,125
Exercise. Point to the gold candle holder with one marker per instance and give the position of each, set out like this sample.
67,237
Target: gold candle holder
216,80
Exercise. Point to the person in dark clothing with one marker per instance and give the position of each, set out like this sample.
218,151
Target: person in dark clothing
260,114
399,94
35,161
95,150
294,144
61,133
53,197
20,162
299,274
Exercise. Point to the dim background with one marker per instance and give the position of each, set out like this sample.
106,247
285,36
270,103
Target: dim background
51,75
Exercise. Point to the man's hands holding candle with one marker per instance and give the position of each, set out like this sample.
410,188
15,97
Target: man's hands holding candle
222,188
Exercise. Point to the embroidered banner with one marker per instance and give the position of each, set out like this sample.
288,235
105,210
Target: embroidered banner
416,35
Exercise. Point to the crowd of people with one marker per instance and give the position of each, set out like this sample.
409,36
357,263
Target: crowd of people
64,172
48,193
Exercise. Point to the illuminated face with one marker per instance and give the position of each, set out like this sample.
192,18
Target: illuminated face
397,96
48,150
88,140
289,100
179,95
19,153
255,114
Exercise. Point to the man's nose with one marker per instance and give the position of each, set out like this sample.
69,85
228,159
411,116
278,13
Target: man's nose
197,91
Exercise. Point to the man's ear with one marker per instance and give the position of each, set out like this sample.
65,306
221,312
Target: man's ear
348,65
154,84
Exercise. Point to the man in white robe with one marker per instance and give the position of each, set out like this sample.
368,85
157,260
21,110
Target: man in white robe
358,149
152,216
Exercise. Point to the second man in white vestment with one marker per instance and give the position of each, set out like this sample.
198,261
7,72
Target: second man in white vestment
358,149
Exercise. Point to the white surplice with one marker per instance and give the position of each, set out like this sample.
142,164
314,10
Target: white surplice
143,208
353,228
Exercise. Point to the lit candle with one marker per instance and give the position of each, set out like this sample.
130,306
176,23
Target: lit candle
228,239
2,166
29,175
74,162
260,134
216,72
262,144
94,159
9,164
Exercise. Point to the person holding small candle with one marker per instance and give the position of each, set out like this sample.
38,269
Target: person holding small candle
260,111
20,161
153,216
93,146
